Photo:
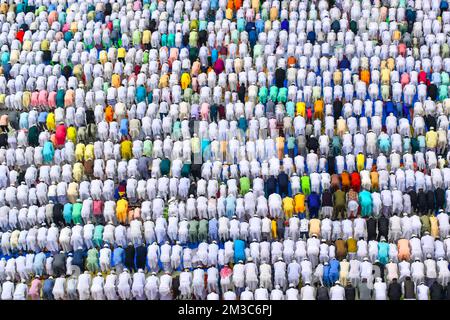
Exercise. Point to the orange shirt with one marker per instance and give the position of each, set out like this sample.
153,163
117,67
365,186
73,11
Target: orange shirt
403,247
115,80
365,76
318,106
314,227
109,114
299,200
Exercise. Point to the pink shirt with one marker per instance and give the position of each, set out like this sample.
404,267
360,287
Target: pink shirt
66,27
204,110
404,79
43,98
35,99
35,289
52,99
402,49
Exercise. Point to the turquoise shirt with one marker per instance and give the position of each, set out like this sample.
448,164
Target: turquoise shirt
67,212
383,252
290,109
365,199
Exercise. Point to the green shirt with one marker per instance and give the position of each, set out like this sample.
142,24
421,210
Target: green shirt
443,92
339,198
186,170
203,230
305,182
76,213
147,148
60,98
262,94
98,234
171,40
290,109
273,93
445,78
165,166
92,260
291,142
244,185
193,230
426,226
33,136
136,37
282,95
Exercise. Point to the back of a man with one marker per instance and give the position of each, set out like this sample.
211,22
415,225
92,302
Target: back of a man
394,290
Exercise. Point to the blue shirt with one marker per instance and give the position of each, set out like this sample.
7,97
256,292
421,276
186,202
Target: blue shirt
124,127
118,256
334,266
140,94
78,258
212,226
314,200
39,260
48,286
42,116
239,250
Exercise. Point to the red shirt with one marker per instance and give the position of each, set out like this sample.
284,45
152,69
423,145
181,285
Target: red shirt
309,113
219,66
19,35
422,76
355,181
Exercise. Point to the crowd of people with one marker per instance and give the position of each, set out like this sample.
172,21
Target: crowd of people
224,149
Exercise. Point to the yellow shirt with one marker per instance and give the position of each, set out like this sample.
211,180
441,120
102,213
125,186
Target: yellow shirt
431,139
89,152
115,80
74,27
195,145
45,45
288,205
390,63
185,80
122,205
360,160
273,14
77,171
301,109
121,52
125,149
385,76
229,14
164,81
337,77
434,226
79,151
26,98
72,134
27,45
146,37
50,121
274,229
103,57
